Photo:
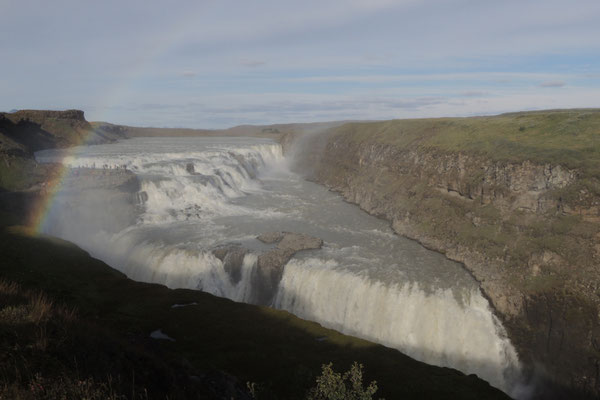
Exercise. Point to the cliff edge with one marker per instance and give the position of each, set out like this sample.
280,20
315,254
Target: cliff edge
24,132
515,198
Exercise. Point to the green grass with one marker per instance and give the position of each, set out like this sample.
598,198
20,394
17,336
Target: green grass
567,137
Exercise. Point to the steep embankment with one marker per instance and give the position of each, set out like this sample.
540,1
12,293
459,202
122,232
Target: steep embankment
115,316
516,198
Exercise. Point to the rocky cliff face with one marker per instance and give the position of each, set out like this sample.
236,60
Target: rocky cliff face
527,232
270,263
33,130
24,132
38,129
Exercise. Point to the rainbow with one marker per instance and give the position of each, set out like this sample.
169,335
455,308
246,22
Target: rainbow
120,89
40,208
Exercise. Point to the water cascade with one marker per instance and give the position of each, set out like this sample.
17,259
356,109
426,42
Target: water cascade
200,194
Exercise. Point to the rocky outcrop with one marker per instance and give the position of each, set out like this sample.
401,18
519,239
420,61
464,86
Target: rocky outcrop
34,130
24,132
528,232
42,115
232,258
270,263
39,129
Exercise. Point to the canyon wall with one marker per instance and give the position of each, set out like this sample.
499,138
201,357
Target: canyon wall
528,231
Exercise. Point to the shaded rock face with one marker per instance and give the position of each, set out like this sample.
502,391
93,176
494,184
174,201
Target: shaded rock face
189,167
233,259
41,129
24,132
36,130
527,232
270,264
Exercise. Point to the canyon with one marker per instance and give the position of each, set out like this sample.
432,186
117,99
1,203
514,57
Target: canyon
515,199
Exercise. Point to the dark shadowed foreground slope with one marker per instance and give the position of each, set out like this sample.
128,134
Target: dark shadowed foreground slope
274,349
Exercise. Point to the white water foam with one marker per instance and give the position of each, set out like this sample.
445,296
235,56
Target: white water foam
432,327
198,195
172,266
178,186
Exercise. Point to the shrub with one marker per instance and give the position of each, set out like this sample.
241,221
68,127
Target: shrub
332,385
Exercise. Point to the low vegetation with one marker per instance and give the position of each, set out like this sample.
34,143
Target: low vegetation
333,385
50,352
567,137
34,331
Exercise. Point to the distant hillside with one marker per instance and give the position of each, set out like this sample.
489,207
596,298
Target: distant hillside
267,131
132,131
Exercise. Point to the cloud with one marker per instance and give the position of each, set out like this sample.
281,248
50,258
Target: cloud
473,93
252,63
317,105
225,110
188,74
552,84
497,77
288,60
155,106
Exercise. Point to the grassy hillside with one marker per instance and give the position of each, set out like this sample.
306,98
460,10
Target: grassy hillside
267,131
567,137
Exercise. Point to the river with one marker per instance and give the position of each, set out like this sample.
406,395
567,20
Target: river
198,194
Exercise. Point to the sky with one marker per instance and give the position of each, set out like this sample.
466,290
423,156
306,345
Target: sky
221,63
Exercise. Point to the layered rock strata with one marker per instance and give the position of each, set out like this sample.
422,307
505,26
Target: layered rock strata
527,232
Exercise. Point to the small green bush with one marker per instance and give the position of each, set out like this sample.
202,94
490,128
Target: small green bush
332,385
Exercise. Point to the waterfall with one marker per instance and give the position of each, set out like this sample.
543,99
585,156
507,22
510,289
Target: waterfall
199,194
434,327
